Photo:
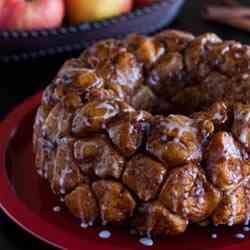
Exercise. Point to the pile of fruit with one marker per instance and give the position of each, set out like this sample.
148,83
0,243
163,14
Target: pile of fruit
37,14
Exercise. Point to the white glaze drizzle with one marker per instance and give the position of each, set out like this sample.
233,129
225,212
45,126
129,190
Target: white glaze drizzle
181,128
244,136
64,173
146,241
239,236
104,234
233,210
84,225
246,223
46,169
40,172
214,236
57,209
217,116
110,110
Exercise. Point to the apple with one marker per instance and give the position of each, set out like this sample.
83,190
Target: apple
144,2
31,14
92,10
1,5
2,14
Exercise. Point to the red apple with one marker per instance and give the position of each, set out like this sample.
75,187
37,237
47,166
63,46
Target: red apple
31,14
1,5
91,10
2,13
144,2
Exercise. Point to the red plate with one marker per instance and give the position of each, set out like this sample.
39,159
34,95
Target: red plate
28,201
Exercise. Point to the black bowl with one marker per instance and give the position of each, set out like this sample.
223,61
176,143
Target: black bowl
22,45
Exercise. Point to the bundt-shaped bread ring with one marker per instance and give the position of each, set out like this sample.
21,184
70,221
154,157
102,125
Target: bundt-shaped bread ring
151,132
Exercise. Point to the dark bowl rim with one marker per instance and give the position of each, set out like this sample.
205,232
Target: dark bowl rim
85,26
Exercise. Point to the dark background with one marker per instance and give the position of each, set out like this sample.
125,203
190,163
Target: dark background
21,80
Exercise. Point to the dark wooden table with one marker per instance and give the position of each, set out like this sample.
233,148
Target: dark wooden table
18,81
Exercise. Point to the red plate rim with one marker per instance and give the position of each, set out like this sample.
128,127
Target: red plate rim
23,216
9,202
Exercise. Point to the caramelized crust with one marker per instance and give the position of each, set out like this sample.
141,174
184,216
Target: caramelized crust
150,132
196,55
44,158
154,218
58,123
174,40
241,125
128,130
97,156
82,204
66,174
146,49
187,193
232,209
144,176
115,202
166,77
225,165
177,139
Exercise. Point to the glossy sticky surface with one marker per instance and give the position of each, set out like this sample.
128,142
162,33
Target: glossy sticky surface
27,199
